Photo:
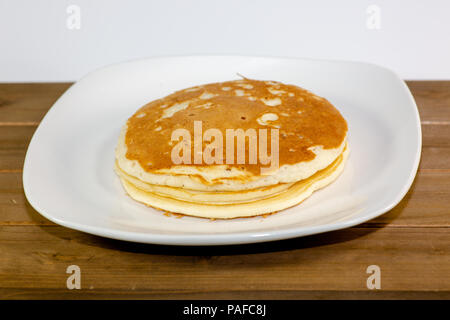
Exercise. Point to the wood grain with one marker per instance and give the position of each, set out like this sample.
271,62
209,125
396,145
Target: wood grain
411,243
14,142
28,102
14,207
433,99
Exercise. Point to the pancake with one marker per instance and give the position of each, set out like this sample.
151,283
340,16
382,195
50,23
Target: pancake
210,197
236,148
290,197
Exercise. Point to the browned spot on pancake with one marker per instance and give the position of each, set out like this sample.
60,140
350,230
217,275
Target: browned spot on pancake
311,121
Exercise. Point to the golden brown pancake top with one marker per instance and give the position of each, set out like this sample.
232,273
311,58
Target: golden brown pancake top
304,120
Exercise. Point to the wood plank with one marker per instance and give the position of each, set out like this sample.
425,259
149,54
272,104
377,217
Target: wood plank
145,294
432,98
28,102
34,260
14,142
435,158
426,203
437,136
14,207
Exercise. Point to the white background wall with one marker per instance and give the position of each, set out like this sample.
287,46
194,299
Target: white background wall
37,45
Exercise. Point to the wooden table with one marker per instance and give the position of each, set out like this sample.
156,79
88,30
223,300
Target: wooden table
411,243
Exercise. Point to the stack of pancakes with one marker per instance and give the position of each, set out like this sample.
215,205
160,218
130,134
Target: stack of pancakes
312,149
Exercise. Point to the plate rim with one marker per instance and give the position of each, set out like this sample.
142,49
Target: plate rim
233,238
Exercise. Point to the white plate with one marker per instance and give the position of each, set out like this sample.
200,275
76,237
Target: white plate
68,174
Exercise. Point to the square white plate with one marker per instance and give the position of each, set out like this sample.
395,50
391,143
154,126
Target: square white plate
68,174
